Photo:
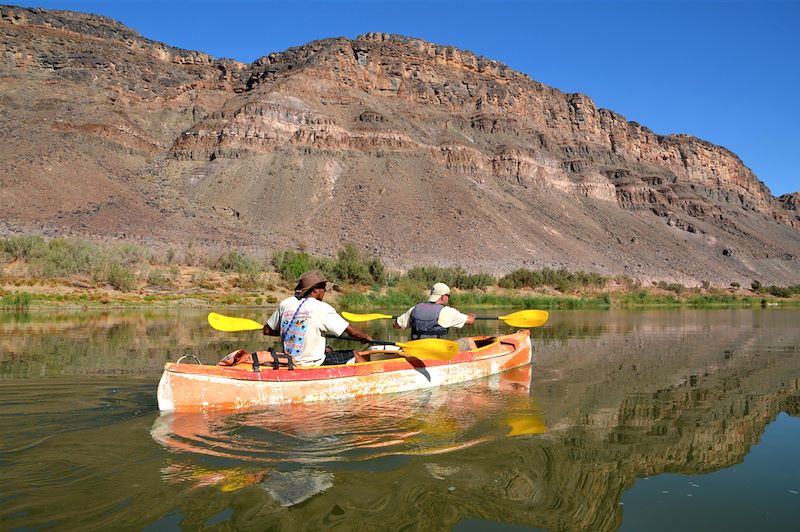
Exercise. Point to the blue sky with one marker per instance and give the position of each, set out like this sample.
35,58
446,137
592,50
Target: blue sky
725,71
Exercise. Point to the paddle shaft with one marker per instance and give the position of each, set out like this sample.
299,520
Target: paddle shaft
489,318
522,318
350,338
476,317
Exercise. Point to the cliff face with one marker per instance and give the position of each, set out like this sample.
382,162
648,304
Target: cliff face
419,153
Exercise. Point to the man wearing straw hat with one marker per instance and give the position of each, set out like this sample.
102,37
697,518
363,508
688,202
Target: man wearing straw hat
303,320
433,318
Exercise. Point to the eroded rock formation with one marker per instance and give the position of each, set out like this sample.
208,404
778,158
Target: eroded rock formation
419,153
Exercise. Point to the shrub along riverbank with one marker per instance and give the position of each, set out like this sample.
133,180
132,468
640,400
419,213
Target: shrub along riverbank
35,270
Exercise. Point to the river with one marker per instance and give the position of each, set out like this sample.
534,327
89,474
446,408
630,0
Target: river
626,420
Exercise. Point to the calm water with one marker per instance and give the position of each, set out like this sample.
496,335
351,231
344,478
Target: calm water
640,420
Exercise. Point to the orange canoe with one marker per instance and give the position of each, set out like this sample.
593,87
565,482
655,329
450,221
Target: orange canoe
197,388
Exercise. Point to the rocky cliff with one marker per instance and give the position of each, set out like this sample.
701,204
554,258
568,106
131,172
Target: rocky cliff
419,153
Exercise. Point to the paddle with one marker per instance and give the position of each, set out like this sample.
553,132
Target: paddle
426,348
231,324
522,318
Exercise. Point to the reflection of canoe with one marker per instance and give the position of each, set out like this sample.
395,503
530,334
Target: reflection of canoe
420,422
193,387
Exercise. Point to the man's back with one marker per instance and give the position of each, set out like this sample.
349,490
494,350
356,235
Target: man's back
302,323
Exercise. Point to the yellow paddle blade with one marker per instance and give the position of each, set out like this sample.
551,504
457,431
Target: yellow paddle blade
230,324
429,348
526,318
526,424
349,316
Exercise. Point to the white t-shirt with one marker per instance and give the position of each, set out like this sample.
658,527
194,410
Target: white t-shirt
448,317
302,330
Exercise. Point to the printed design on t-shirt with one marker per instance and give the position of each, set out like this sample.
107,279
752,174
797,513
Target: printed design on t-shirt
295,335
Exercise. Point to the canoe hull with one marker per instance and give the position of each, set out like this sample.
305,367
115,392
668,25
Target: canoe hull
199,388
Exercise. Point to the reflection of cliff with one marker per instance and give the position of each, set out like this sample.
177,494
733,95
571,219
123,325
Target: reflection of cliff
691,395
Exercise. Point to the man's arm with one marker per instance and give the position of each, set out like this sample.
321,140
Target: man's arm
450,317
269,331
354,332
275,320
403,320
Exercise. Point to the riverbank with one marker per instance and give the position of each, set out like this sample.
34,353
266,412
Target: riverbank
37,272
18,294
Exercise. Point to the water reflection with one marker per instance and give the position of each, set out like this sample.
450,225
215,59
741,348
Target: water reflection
131,342
414,423
624,396
368,429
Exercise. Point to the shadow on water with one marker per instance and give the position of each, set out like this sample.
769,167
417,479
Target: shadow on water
612,399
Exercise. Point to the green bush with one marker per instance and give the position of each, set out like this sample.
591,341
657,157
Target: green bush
63,257
411,288
522,278
777,291
782,291
236,262
290,265
392,299
160,279
354,267
120,277
23,247
248,281
711,300
428,275
454,277
350,266
561,279
19,301
128,254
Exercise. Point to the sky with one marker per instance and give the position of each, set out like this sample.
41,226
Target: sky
727,71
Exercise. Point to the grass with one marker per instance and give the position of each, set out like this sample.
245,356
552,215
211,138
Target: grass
639,299
75,271
18,302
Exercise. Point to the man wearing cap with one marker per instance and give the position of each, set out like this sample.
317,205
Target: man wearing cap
302,321
433,318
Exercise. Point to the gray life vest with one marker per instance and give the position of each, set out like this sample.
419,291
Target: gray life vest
425,321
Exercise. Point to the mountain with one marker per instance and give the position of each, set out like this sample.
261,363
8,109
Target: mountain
419,153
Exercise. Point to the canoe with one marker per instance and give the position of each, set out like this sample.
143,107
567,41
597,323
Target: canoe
186,387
